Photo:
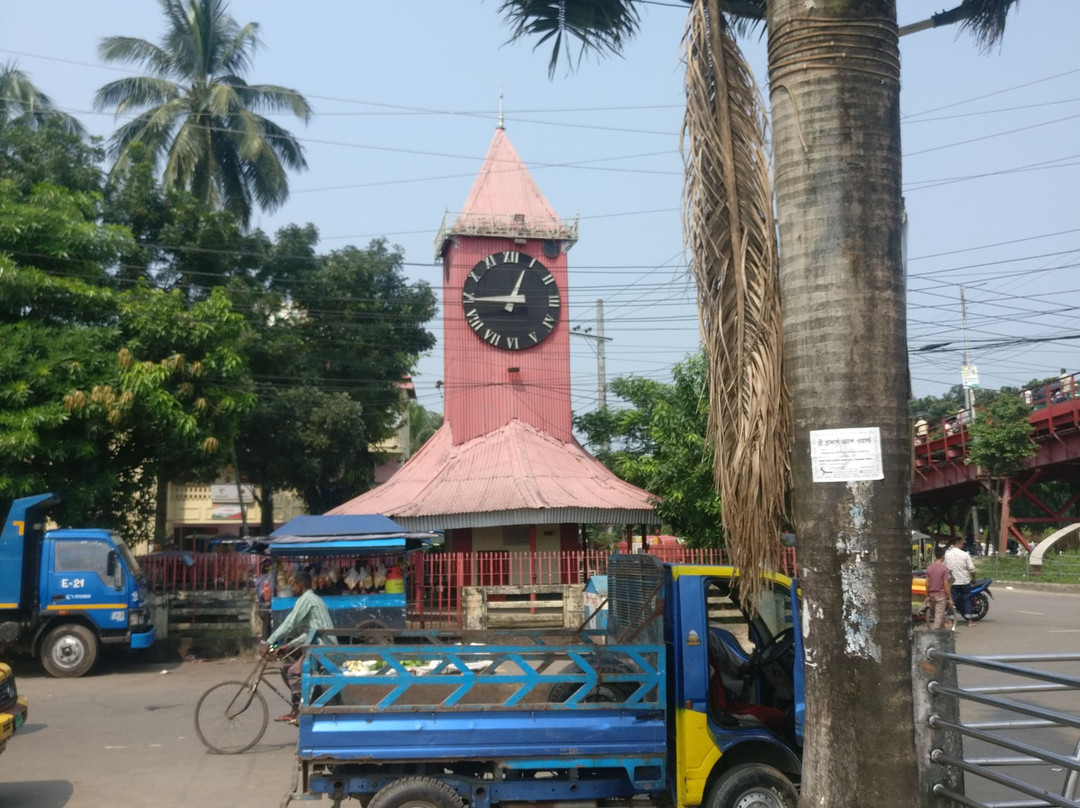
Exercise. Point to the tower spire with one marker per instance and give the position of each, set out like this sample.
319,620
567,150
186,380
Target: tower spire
499,125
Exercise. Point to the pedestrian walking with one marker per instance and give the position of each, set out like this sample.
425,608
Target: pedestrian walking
938,591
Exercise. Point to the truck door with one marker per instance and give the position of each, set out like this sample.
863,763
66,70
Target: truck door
85,576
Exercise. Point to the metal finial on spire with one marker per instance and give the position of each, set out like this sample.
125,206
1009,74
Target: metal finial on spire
499,125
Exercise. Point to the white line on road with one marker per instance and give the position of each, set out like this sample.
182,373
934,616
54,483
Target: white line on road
1037,614
1063,631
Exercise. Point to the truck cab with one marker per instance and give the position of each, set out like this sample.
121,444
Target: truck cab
738,696
65,593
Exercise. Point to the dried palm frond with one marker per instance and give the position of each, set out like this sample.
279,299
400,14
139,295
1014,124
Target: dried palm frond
731,237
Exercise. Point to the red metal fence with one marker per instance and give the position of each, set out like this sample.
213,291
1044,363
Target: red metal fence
199,572
434,580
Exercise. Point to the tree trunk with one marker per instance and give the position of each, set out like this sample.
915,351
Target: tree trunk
161,512
266,509
835,83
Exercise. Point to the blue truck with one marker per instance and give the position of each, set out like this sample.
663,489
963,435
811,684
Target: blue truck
66,593
686,698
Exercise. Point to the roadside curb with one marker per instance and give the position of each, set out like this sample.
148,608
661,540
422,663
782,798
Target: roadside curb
1035,586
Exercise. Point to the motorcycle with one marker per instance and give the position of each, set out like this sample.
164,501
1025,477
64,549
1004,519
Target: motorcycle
980,598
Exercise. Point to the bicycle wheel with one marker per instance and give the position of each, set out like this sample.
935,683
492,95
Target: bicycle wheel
231,718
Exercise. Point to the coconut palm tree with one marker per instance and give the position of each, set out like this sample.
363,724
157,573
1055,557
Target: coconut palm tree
195,113
834,80
24,104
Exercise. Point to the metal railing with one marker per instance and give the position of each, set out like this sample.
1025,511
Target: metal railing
1010,739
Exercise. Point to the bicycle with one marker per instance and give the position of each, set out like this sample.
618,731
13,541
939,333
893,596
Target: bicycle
231,717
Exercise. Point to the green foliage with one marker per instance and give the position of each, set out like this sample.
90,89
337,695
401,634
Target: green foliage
659,444
197,117
934,408
423,423
1001,435
23,105
49,153
336,336
1058,568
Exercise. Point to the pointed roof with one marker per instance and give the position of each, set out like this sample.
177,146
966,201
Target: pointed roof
517,474
506,201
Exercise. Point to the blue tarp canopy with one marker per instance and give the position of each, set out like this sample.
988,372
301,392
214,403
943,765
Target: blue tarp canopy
370,532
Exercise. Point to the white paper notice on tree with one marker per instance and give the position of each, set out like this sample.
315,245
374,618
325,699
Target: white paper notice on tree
846,455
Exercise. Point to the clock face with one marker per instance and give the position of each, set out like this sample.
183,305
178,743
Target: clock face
511,301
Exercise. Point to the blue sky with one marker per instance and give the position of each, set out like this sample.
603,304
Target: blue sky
406,98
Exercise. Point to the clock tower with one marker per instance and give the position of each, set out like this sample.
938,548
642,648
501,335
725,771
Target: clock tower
504,470
506,339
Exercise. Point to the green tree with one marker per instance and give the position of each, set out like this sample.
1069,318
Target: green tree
198,116
1000,442
836,140
101,389
934,408
49,153
335,336
23,104
423,423
660,444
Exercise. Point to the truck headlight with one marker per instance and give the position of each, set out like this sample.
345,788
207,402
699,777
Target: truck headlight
137,618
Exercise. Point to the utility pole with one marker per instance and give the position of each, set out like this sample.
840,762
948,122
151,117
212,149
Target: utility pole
601,369
598,339
970,379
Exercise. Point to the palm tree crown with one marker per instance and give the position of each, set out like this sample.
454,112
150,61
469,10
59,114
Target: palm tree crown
24,104
195,112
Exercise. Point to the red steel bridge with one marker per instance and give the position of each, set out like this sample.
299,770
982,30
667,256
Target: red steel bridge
943,480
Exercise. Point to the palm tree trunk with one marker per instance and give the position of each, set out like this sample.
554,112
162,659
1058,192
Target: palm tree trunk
835,82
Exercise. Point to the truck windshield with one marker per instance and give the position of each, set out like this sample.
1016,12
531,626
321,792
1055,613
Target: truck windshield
129,559
774,609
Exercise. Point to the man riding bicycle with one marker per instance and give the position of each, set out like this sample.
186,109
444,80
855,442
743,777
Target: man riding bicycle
308,613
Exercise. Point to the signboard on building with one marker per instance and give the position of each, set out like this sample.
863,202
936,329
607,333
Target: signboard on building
228,492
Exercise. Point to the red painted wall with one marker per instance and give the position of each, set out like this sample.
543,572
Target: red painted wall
481,394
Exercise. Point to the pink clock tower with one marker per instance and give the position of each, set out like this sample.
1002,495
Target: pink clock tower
504,468
505,330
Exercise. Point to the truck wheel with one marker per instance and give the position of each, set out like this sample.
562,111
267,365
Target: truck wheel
416,792
752,785
69,651
359,637
603,693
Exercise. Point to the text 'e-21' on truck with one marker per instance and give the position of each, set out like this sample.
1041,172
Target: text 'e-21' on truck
65,593
687,698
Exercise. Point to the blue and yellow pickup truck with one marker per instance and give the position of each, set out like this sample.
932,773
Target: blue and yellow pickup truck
12,708
686,698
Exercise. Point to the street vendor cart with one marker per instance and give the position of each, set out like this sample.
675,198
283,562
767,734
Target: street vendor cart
357,564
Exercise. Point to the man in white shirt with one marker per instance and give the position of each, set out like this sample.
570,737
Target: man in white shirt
962,572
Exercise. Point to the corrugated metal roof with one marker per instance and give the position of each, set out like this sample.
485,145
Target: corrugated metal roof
515,475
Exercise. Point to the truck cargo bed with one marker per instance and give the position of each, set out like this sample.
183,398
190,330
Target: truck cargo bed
518,702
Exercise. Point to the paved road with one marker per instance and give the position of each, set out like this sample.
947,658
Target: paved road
123,736
1022,621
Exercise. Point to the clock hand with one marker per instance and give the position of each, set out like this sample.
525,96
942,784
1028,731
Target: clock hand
509,300
517,287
